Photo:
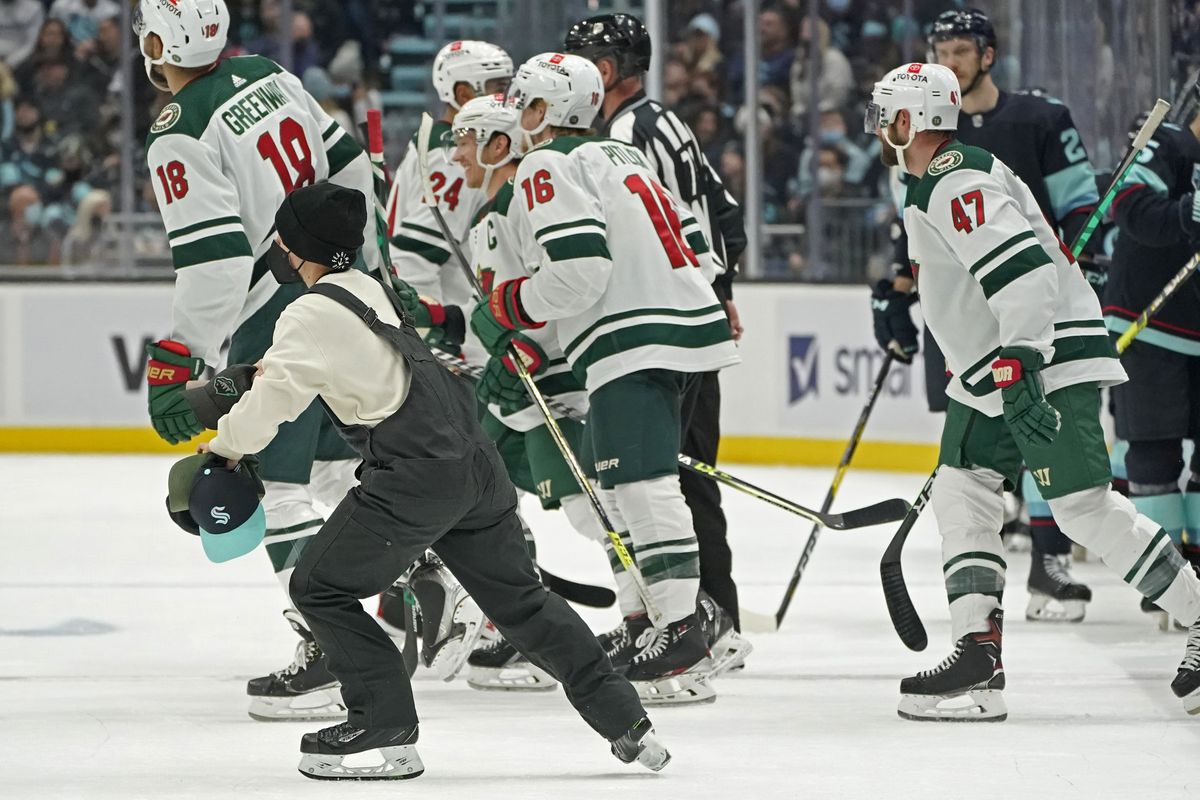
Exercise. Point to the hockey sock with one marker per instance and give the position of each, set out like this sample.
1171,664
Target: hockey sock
969,507
1191,512
1044,532
583,519
664,544
1136,547
1163,504
1116,461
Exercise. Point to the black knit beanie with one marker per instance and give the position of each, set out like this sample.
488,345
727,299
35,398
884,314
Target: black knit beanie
323,224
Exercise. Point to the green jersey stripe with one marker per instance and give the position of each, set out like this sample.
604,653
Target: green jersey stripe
638,312
343,152
671,566
579,245
431,253
1022,263
333,126
1150,548
977,555
1081,348
214,248
1082,323
691,540
199,226
983,262
662,334
562,226
697,242
422,229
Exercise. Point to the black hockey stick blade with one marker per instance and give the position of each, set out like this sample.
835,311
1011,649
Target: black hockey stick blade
899,605
581,593
878,514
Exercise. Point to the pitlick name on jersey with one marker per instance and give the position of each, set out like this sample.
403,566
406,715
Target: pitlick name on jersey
254,107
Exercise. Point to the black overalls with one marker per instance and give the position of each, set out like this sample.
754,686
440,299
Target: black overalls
430,478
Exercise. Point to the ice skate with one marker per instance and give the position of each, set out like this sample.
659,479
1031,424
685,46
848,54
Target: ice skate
347,752
674,665
1186,685
1054,595
498,665
305,690
451,622
641,744
623,642
390,614
966,687
727,647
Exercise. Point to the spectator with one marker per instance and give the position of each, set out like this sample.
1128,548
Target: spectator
101,57
20,21
700,51
83,17
832,134
835,82
318,84
777,51
53,43
676,83
8,91
68,106
712,131
28,169
780,154
305,51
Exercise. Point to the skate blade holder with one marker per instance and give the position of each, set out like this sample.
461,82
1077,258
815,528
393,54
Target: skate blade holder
512,679
975,706
652,754
1042,608
382,763
737,649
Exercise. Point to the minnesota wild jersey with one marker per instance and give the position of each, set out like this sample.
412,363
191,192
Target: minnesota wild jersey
420,253
497,258
223,155
993,274
615,259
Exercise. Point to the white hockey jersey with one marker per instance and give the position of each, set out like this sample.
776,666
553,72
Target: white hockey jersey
615,259
993,274
419,251
223,155
496,258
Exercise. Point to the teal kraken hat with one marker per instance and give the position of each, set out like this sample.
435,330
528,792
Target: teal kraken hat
223,506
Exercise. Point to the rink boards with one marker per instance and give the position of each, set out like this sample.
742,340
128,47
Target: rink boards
74,366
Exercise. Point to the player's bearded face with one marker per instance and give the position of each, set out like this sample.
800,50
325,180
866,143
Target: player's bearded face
887,153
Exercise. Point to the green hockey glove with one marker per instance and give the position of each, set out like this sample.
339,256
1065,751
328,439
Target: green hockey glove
499,382
171,366
1030,417
500,315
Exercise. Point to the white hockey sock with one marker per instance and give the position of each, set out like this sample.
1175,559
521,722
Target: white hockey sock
1133,545
969,506
583,519
664,543
292,519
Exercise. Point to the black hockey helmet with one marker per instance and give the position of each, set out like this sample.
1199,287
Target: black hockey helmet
621,37
969,23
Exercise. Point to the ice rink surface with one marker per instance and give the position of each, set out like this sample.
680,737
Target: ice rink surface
124,656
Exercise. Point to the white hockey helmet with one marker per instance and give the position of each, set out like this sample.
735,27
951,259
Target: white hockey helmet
485,117
193,32
470,62
928,92
570,85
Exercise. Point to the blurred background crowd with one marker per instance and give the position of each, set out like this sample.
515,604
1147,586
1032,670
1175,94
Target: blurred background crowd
64,143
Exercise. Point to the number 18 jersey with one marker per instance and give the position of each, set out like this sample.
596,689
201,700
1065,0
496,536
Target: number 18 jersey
617,261
223,155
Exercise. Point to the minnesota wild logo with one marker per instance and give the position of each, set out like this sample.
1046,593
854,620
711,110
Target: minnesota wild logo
169,116
945,162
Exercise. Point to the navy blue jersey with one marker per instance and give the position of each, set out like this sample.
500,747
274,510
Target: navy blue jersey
1152,246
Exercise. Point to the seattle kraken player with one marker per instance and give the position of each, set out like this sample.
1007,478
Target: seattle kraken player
1035,136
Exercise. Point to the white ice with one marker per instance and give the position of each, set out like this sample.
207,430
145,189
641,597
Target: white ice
124,655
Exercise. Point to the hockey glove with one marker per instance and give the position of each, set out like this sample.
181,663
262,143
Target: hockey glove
894,328
410,301
500,383
171,366
214,399
1030,417
1189,217
498,317
447,327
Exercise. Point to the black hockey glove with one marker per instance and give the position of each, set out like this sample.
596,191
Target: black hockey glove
214,399
894,328
1189,218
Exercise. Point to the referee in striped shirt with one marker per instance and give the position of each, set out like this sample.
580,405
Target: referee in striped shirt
620,47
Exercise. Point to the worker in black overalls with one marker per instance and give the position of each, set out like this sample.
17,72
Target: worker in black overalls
430,478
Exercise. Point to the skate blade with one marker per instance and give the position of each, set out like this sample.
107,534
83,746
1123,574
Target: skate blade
1191,703
651,753
1042,608
452,656
729,653
521,678
399,763
316,706
977,705
688,688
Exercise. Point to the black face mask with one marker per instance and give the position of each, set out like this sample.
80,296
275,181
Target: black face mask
281,268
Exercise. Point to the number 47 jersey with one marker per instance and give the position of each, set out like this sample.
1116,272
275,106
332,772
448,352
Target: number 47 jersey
617,261
223,155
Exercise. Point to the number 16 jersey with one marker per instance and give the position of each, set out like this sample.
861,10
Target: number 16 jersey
617,261
223,155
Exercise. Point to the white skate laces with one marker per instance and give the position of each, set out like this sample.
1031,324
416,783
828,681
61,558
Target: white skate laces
1056,569
947,662
1191,658
653,643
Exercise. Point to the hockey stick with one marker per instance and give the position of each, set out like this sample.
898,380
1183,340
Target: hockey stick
877,514
582,593
381,182
1157,303
838,475
1144,134
904,616
535,394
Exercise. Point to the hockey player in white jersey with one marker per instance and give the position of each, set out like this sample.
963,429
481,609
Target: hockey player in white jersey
239,135
624,274
1024,339
420,254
